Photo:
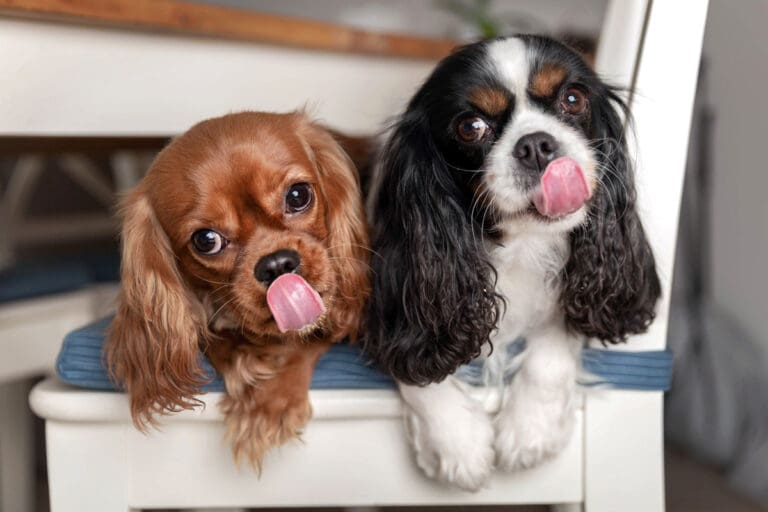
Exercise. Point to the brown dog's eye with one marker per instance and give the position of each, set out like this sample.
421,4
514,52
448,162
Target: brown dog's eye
573,101
208,242
472,128
298,198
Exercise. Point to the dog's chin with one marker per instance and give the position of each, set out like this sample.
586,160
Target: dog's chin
260,323
527,216
270,329
311,331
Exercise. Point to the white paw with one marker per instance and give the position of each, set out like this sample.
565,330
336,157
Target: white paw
455,446
530,430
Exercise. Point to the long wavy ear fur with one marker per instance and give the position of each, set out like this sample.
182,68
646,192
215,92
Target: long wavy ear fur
433,304
152,348
347,240
610,284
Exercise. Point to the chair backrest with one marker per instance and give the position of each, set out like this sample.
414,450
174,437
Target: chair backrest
120,82
646,49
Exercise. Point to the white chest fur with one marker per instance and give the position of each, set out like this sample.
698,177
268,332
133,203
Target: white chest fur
528,267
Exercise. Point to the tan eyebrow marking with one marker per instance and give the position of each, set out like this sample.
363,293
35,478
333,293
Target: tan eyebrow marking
491,100
547,80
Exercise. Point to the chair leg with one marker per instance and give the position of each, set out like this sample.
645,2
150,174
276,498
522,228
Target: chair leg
17,469
623,451
87,469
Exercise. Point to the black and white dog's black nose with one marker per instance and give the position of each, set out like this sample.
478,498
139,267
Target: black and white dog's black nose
535,150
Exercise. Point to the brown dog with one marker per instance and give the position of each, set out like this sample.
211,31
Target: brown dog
246,240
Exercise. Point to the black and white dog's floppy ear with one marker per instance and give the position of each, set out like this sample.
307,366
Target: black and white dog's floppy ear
610,284
433,303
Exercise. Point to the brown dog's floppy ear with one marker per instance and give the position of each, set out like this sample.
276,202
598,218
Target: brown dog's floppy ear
347,231
361,150
153,342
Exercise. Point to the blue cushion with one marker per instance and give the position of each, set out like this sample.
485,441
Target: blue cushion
34,278
649,370
345,366
644,370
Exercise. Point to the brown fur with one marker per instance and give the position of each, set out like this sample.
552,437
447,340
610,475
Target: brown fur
230,174
491,100
362,150
266,403
548,79
348,254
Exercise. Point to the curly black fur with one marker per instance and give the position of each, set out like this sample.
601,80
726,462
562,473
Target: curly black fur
610,285
434,305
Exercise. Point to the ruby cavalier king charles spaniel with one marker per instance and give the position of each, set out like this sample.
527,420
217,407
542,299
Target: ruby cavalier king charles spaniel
247,241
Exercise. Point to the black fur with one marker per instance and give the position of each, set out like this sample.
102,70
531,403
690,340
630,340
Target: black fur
434,304
610,286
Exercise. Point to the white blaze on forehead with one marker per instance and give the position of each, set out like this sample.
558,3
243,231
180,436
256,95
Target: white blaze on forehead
510,58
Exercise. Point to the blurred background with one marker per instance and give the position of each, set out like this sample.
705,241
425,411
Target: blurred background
58,245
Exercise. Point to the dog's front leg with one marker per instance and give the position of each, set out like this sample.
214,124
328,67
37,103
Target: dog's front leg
267,400
450,432
537,414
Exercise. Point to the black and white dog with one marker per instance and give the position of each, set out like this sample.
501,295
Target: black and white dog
503,206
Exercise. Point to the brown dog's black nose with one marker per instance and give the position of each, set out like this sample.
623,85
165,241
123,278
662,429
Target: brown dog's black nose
535,150
271,266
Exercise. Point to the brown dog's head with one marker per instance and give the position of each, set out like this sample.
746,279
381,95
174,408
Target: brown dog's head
236,206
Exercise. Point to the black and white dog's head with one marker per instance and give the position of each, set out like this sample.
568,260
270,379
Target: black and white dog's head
515,135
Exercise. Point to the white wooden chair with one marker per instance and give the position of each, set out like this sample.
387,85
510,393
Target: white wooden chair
31,326
354,451
30,337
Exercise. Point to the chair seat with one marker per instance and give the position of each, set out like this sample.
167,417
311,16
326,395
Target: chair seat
186,462
344,366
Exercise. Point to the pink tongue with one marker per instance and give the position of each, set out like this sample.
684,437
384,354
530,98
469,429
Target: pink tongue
293,303
563,188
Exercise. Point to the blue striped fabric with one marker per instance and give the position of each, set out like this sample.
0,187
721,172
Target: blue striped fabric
648,370
346,367
80,363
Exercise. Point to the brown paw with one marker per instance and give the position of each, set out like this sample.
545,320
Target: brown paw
256,426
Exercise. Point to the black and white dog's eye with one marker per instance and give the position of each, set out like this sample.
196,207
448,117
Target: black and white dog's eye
208,242
573,101
298,198
472,129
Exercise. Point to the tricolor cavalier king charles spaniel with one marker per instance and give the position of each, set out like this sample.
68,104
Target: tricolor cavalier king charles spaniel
503,207
246,240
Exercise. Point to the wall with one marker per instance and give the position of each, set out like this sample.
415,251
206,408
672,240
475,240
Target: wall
736,46
425,18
